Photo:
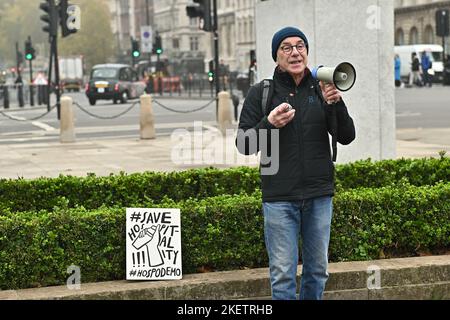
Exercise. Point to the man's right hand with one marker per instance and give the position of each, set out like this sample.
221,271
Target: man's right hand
279,118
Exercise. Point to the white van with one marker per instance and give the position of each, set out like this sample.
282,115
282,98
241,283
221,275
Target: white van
434,51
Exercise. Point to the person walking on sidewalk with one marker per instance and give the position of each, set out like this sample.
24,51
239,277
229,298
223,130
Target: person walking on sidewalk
414,77
426,67
398,65
297,199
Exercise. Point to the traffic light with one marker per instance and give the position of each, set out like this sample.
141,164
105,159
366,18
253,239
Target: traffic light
29,51
67,16
202,10
135,49
442,23
158,45
211,71
50,17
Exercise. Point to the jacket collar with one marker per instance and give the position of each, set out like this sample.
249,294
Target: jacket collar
286,79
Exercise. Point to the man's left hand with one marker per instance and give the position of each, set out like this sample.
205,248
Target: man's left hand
330,93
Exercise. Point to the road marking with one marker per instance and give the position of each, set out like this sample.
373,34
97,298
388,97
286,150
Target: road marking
54,139
38,124
16,117
43,126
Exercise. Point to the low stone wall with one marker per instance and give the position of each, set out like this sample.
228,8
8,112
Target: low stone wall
407,278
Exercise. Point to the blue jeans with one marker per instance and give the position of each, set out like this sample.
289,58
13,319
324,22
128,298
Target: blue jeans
284,222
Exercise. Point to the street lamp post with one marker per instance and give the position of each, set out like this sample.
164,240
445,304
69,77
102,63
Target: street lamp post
216,55
147,14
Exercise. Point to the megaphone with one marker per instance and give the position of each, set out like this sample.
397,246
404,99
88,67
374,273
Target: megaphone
343,76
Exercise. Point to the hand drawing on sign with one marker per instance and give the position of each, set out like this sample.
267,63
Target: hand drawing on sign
148,237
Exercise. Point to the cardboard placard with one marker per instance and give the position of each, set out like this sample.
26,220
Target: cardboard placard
153,244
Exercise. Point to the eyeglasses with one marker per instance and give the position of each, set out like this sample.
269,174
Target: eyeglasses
287,49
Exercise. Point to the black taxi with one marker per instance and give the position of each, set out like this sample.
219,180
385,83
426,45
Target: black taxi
116,82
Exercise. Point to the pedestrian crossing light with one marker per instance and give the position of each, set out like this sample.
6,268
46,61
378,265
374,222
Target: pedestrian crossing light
211,71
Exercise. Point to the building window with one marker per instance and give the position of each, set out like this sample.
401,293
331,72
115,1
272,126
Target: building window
239,33
176,43
428,35
244,32
399,37
229,41
193,41
124,6
193,22
413,36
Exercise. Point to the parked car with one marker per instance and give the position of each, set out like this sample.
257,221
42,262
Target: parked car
117,82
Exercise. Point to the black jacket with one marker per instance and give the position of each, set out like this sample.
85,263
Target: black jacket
305,167
416,64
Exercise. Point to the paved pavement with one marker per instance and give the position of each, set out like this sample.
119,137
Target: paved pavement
166,152
103,156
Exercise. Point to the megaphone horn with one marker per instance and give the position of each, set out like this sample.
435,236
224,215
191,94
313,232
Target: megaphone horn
343,76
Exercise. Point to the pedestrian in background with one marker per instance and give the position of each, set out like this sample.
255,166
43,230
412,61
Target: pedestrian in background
414,76
426,69
446,79
398,65
297,199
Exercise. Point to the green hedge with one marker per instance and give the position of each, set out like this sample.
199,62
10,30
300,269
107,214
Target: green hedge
125,189
218,233
368,174
129,190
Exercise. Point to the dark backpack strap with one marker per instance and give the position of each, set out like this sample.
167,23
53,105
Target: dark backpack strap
333,122
334,129
267,93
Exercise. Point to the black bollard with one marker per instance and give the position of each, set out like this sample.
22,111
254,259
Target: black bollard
20,95
160,86
45,94
39,95
5,97
31,88
189,87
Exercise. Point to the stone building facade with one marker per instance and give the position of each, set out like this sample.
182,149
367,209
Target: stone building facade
186,44
126,18
188,48
415,22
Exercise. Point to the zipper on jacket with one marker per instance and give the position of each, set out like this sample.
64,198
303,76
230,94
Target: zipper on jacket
302,102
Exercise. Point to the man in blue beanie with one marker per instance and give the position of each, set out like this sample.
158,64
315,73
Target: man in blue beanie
297,199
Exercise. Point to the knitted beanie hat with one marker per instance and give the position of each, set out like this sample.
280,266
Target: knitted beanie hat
283,34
